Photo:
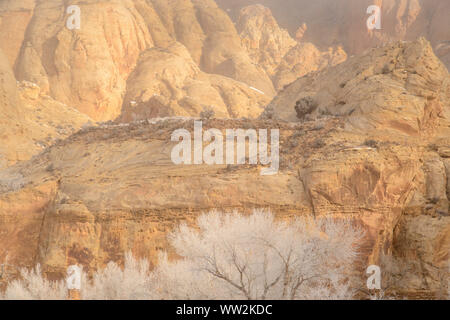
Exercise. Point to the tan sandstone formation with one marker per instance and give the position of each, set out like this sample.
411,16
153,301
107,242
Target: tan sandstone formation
402,78
372,148
89,67
343,22
398,97
30,120
11,129
283,58
167,82
14,18
265,41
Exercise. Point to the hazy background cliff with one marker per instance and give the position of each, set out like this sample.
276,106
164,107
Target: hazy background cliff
342,22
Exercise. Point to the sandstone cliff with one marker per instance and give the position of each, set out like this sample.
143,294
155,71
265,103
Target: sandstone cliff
167,82
343,22
89,67
371,145
141,59
283,58
30,120
397,93
14,18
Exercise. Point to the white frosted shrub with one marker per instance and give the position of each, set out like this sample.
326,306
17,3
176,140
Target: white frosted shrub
133,282
227,256
232,256
32,285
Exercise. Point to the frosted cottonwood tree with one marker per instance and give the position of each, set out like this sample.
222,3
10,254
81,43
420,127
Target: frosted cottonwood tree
33,286
229,256
232,256
132,282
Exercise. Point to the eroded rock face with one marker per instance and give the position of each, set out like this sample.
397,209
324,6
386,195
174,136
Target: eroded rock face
30,120
397,93
404,79
283,58
266,42
89,67
9,112
110,189
366,140
14,19
167,82
331,23
303,59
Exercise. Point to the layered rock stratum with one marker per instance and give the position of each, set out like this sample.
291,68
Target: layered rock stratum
89,68
175,86
343,22
121,62
283,58
366,140
93,68
14,18
30,120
